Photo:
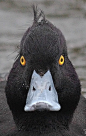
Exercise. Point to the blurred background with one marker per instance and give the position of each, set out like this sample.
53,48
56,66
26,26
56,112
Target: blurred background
69,16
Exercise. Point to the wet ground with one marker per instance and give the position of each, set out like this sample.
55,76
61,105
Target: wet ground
69,16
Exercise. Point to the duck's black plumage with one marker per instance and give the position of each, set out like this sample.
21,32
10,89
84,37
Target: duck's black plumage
42,45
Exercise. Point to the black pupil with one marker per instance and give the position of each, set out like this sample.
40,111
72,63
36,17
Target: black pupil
22,59
61,60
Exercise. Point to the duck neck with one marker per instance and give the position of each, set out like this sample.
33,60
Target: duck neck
43,121
65,118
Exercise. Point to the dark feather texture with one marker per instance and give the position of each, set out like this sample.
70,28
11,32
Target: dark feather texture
42,45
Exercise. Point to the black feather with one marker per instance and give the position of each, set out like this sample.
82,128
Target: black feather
38,14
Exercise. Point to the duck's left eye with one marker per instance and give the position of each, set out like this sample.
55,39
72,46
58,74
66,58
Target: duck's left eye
61,60
22,61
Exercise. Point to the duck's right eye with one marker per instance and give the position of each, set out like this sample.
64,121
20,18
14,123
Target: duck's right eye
61,60
22,61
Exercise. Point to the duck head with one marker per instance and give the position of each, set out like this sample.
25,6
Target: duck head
43,88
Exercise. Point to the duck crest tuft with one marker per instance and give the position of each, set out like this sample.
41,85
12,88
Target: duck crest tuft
39,16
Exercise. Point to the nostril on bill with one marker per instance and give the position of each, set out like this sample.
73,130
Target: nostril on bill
49,88
34,89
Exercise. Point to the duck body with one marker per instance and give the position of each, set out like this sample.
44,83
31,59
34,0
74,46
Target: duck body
43,46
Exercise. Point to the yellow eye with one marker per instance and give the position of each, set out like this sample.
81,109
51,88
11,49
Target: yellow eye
61,60
22,61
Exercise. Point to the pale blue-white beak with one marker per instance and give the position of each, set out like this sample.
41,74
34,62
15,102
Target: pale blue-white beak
42,94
